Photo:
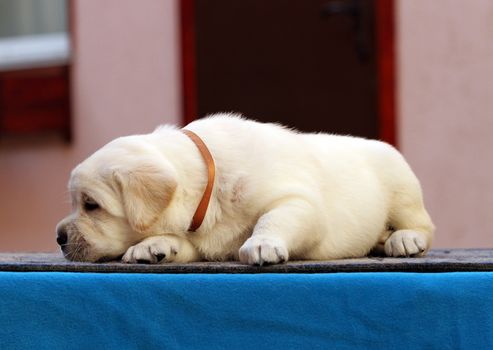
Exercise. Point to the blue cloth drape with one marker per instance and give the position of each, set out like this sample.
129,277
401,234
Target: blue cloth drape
55,310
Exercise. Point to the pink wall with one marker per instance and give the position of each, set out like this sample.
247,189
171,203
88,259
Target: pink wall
446,112
126,80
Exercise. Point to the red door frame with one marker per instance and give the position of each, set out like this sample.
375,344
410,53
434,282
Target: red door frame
385,34
386,74
188,57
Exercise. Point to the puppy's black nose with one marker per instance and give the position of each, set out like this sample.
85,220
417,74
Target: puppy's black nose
61,238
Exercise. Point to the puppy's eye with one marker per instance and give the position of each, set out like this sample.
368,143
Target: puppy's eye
90,205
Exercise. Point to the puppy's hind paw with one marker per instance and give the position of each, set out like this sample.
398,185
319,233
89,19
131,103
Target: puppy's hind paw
406,243
263,250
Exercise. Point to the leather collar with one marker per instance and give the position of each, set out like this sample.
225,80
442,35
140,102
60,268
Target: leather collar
199,215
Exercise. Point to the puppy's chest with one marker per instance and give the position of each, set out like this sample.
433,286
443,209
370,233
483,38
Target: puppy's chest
222,243
232,191
231,220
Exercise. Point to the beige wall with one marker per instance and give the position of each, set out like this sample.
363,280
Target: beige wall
126,80
445,64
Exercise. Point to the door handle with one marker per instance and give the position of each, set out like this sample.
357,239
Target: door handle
355,10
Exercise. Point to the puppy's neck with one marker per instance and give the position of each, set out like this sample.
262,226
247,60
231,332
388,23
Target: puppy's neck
192,179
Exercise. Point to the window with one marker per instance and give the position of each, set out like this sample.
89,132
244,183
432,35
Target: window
34,68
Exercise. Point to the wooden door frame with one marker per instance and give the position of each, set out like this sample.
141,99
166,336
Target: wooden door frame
386,74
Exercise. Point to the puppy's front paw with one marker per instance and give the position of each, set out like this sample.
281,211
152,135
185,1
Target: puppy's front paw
263,250
152,250
406,243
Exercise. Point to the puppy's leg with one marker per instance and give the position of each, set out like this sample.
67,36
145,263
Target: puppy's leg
413,227
278,231
160,249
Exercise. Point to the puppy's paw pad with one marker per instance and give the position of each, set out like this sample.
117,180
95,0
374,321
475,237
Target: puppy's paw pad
160,256
153,250
406,243
263,250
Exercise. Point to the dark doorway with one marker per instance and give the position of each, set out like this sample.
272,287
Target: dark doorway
309,64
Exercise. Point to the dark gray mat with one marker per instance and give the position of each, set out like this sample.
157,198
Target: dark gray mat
435,261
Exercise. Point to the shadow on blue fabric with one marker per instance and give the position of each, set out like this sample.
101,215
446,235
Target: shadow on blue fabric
55,310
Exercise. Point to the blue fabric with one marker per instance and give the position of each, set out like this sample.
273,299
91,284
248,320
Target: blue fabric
265,311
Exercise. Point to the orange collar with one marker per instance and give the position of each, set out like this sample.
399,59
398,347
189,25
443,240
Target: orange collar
199,215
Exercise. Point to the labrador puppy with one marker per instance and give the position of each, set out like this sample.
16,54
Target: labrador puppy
277,195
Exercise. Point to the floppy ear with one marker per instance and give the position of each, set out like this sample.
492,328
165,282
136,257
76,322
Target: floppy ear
146,190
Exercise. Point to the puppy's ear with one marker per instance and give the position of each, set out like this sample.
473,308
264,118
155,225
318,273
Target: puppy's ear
146,189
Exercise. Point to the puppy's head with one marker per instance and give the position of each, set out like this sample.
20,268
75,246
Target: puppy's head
117,195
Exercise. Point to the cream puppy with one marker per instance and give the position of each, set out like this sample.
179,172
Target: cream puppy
278,195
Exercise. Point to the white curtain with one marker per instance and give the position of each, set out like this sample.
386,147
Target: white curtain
31,17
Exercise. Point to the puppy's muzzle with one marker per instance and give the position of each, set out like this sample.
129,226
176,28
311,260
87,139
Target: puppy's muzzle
71,242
